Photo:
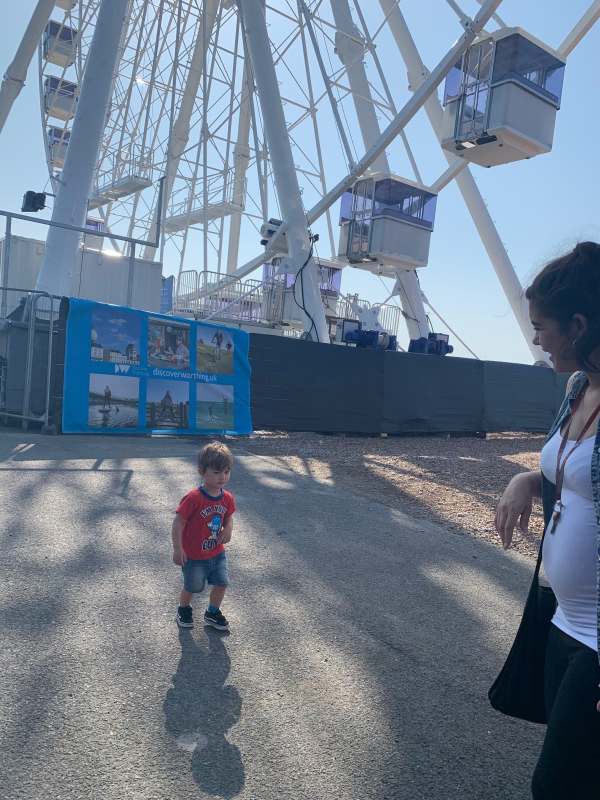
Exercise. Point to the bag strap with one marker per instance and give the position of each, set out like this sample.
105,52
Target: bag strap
572,390
539,558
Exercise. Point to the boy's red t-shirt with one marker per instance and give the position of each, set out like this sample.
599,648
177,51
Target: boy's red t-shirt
205,516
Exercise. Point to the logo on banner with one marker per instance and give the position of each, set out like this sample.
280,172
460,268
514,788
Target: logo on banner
120,368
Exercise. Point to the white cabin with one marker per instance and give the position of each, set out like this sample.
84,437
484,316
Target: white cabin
59,44
60,98
58,141
501,99
386,224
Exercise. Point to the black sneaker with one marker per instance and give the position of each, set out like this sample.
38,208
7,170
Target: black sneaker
216,620
185,617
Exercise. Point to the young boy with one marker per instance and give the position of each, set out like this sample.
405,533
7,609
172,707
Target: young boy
202,526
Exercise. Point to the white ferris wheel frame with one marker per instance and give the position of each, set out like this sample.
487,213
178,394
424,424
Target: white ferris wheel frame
352,70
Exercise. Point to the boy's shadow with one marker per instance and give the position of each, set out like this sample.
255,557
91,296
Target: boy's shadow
199,710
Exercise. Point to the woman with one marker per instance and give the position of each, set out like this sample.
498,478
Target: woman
564,306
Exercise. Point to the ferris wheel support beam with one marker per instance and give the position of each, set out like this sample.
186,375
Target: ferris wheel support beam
327,82
14,78
418,75
350,49
241,160
252,14
587,21
388,94
180,133
454,168
70,206
349,45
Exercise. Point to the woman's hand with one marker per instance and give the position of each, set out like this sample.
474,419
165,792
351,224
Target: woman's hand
514,508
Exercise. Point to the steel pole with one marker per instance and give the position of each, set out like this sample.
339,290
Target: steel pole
14,77
585,24
241,159
6,267
308,296
75,184
350,50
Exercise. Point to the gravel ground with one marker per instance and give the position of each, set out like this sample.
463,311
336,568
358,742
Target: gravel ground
453,481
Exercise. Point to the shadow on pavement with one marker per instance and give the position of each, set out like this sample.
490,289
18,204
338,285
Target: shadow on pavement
200,709
383,696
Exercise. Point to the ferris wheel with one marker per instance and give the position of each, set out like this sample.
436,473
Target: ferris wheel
187,104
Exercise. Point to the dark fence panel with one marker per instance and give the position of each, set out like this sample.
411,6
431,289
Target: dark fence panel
16,346
303,386
518,394
427,394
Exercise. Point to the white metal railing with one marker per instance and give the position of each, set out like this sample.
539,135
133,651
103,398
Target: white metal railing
264,302
28,325
220,191
133,163
388,316
243,301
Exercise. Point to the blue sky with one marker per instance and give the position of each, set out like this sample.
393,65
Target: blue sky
540,207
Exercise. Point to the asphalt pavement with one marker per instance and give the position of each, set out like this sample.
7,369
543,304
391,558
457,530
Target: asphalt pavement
362,641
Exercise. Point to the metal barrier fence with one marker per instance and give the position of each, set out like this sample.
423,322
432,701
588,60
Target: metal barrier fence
250,300
254,301
29,323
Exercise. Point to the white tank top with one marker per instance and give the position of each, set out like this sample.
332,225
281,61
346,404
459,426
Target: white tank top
569,555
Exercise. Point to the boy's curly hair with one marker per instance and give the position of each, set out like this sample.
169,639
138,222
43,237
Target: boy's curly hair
215,455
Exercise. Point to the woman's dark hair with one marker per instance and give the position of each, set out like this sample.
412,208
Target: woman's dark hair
571,285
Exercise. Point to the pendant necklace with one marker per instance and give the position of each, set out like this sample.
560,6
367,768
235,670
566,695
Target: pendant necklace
560,464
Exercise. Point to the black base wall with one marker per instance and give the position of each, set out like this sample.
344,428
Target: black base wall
304,386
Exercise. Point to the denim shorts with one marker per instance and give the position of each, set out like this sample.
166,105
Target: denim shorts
196,573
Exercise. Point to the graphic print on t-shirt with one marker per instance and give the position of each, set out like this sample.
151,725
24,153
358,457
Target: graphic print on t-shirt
214,526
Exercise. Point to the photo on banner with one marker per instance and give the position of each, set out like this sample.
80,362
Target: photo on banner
113,401
214,350
168,344
129,371
215,406
115,336
167,404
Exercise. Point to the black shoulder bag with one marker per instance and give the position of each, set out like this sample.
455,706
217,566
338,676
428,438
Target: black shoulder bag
518,691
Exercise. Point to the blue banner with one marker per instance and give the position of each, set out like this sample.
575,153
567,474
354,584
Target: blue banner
130,371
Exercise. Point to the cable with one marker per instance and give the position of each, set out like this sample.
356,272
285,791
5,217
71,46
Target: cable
302,307
439,316
402,311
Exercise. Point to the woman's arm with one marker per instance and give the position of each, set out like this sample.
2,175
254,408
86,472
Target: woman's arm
514,508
